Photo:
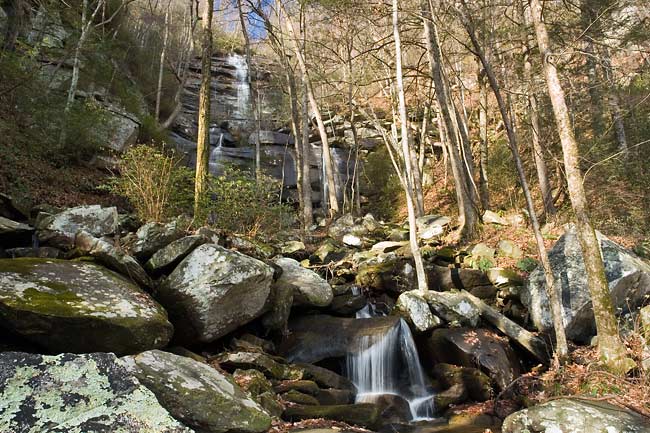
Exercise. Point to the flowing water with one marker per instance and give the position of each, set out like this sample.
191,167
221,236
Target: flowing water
241,115
389,365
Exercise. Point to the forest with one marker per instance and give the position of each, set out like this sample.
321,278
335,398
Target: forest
322,216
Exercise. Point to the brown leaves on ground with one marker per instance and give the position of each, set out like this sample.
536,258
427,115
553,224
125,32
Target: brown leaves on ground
280,426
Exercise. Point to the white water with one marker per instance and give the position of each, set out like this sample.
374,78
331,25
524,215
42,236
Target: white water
241,112
389,364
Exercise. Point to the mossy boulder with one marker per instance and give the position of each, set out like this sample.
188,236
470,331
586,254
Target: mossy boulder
166,258
252,381
80,307
476,382
69,393
306,386
250,360
309,288
567,415
153,236
362,414
213,291
415,309
297,397
197,394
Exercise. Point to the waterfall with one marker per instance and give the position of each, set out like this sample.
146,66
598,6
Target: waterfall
241,113
389,364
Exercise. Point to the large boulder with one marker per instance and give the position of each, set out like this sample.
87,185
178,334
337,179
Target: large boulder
112,258
68,393
569,415
213,291
309,288
153,236
80,307
314,338
59,230
454,307
628,277
474,347
197,394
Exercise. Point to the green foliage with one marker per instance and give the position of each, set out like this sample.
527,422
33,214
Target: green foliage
86,127
381,185
155,183
483,264
238,203
150,131
527,264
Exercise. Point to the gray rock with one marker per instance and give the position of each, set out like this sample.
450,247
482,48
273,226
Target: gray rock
363,414
347,304
490,217
270,137
213,291
152,237
474,381
415,309
389,246
60,230
482,251
125,128
352,240
79,307
309,287
507,248
277,317
292,247
568,415
472,348
77,394
431,226
445,278
627,274
346,225
166,258
112,258
453,307
326,378
197,394
504,277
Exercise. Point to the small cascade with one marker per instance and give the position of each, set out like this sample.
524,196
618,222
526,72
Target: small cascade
389,364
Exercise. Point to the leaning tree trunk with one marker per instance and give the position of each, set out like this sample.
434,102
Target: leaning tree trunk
307,210
406,154
203,139
610,345
467,212
484,189
557,314
161,69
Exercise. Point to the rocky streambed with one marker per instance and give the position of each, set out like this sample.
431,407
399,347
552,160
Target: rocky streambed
108,326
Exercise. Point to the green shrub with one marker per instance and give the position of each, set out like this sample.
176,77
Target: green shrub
86,128
527,264
237,203
155,183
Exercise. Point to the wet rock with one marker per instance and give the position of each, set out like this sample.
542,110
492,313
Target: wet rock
575,416
363,414
77,394
415,309
309,287
490,217
197,394
314,338
167,258
251,360
628,277
59,230
213,291
13,233
475,347
474,381
112,258
294,396
79,307
153,236
453,307
40,252
332,396
455,394
326,378
393,408
347,304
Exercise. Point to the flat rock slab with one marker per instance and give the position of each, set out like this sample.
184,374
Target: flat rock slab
69,393
81,307
60,230
197,394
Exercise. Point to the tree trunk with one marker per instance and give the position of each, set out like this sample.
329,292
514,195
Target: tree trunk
468,217
551,288
203,139
331,198
162,63
406,152
483,134
307,211
610,346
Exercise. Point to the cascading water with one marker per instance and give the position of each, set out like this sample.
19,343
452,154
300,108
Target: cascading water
389,364
242,106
